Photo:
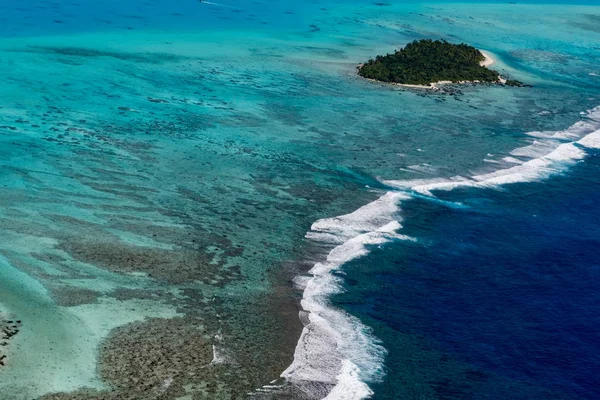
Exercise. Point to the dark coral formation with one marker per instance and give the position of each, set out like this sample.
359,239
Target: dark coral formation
515,83
183,265
152,359
69,296
86,53
173,358
154,355
8,329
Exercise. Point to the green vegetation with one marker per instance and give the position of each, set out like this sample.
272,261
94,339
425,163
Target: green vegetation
426,61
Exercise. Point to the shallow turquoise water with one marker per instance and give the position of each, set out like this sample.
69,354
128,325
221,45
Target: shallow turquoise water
179,145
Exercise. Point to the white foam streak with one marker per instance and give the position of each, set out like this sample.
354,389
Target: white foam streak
350,387
366,219
336,348
591,141
547,157
536,149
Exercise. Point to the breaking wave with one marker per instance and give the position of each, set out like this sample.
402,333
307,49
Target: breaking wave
337,356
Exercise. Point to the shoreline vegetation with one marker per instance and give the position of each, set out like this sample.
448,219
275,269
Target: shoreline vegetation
429,64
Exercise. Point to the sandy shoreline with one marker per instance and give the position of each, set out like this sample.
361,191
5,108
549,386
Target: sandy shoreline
489,60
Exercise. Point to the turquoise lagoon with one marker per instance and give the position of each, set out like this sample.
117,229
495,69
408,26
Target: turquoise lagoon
164,161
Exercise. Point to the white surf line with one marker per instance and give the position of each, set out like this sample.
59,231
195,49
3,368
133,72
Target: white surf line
554,154
336,348
215,4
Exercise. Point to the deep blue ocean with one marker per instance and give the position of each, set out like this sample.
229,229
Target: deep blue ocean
502,295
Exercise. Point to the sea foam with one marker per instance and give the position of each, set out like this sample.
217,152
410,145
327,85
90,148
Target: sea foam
336,352
335,348
548,154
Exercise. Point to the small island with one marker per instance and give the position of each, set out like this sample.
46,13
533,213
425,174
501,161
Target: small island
426,62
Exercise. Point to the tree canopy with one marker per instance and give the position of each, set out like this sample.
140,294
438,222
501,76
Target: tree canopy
427,61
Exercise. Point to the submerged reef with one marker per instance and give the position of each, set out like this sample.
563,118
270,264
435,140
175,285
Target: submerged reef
515,83
150,359
161,353
9,328
427,61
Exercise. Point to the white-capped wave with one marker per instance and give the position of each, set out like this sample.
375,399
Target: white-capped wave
335,348
336,352
553,154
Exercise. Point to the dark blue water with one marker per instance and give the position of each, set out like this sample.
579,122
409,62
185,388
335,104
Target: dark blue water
498,300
